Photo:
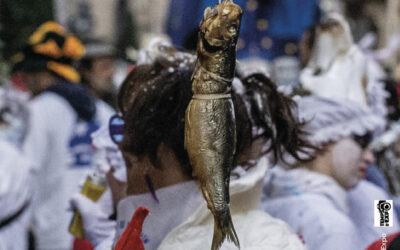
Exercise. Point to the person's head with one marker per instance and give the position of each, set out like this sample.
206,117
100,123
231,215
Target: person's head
350,159
153,100
47,57
343,131
333,38
97,67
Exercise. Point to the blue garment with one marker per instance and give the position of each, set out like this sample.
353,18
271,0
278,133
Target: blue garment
80,144
77,96
270,28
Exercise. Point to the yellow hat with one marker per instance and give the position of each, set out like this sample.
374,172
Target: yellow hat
51,48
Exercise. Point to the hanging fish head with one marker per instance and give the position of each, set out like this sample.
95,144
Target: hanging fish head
220,26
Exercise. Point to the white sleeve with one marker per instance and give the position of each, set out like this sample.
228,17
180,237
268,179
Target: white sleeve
98,228
37,133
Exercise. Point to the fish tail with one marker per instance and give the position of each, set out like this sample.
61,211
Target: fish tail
223,228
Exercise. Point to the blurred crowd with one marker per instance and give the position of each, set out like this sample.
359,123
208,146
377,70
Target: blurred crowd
92,152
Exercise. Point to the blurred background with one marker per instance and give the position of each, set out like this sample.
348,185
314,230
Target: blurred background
271,29
277,37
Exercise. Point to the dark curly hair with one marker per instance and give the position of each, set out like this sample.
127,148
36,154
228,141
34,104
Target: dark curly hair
273,116
153,100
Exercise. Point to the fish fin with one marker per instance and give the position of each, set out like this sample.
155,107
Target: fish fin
224,229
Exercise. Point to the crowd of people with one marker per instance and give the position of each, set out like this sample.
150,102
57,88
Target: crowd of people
317,139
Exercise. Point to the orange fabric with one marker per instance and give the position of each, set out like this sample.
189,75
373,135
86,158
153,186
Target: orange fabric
64,70
40,33
49,48
73,48
130,239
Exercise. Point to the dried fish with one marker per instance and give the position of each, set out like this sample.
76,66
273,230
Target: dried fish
210,128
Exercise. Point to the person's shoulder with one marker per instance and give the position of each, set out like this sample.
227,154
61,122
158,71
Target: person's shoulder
328,221
325,212
321,223
259,230
49,111
255,230
48,102
309,209
367,188
289,206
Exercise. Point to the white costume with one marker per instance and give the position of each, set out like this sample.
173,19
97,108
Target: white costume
315,205
193,228
58,143
339,69
317,208
15,171
15,197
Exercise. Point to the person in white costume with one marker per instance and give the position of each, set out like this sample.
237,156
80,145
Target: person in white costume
324,200
62,117
16,172
339,69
